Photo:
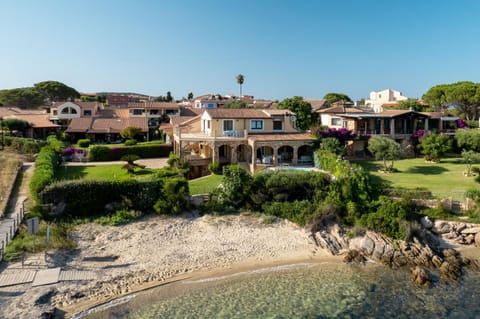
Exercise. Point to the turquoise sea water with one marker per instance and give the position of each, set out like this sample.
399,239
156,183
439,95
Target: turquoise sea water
306,291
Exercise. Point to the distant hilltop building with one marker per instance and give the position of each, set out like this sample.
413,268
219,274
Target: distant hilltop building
380,98
119,100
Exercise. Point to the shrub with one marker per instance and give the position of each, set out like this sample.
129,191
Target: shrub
385,149
174,196
214,168
83,143
131,132
119,217
299,212
388,218
45,165
104,153
91,197
435,146
25,145
130,142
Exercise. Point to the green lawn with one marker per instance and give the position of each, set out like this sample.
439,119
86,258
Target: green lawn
114,171
442,179
204,185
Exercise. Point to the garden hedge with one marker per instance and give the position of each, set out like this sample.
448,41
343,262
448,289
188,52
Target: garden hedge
45,165
90,197
104,153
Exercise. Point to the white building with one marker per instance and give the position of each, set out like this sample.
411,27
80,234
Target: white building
378,99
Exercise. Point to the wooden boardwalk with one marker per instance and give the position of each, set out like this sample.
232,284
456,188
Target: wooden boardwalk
17,278
45,276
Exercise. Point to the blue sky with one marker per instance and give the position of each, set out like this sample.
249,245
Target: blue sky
282,47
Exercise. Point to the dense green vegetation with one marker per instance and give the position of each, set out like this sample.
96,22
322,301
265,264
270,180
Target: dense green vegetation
46,164
106,153
312,198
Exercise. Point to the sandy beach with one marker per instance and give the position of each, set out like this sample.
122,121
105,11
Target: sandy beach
154,250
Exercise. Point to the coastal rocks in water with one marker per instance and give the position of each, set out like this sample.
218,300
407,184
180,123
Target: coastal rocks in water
426,222
420,276
330,237
355,256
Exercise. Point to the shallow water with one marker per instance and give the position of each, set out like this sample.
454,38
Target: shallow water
306,291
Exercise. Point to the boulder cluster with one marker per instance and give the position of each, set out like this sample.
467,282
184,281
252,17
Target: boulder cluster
429,252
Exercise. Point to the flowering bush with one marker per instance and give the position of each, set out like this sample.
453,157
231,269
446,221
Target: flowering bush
461,123
420,133
342,134
70,151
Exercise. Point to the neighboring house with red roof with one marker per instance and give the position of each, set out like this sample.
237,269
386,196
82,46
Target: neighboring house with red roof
39,125
253,138
98,123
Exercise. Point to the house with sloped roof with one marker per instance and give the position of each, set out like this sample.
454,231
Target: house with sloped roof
252,138
104,124
39,125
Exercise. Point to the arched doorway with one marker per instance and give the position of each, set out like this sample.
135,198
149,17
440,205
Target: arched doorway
305,155
225,154
265,155
285,154
244,153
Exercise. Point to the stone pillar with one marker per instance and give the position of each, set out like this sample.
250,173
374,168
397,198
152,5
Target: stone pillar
295,155
275,155
233,154
382,126
426,124
392,128
253,164
215,156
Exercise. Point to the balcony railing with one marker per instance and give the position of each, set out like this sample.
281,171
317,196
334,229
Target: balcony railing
227,135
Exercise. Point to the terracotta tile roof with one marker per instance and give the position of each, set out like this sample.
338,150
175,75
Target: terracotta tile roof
433,115
79,125
384,114
188,111
281,137
277,112
237,113
5,110
178,120
81,104
104,125
341,109
116,125
166,127
317,103
154,105
36,120
113,112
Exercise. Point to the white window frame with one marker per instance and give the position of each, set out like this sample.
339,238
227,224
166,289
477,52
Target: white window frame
338,121
256,128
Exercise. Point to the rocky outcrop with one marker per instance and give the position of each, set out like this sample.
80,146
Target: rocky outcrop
331,238
427,252
457,232
420,276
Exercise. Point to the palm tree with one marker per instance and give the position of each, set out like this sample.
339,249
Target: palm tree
240,80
